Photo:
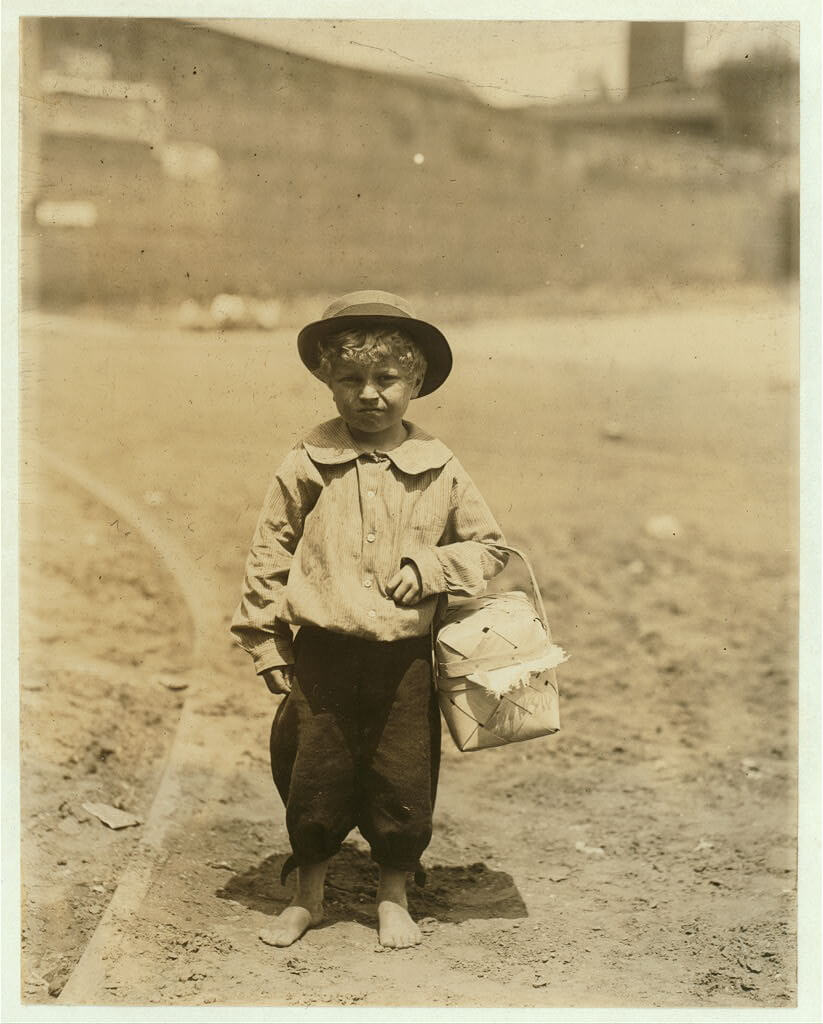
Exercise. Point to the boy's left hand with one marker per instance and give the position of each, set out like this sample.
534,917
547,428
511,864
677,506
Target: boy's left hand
405,587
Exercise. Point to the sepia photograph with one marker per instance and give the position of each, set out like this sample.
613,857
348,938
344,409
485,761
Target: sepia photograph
410,425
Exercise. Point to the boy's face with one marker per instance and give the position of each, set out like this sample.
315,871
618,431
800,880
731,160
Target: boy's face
372,398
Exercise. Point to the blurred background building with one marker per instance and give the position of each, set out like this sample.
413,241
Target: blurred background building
164,159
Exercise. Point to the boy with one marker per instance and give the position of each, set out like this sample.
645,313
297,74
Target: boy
368,522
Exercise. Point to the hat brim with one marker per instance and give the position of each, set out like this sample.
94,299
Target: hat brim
432,343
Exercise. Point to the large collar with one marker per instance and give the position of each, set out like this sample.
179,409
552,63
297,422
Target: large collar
331,444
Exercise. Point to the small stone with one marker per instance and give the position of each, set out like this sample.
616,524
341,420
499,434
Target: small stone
173,683
612,430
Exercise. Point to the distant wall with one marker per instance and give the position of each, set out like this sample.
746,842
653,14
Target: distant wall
314,187
656,55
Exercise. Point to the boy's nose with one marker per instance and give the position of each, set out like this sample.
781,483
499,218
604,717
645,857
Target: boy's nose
369,391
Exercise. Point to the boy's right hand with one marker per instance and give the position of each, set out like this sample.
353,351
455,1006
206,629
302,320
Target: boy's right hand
279,680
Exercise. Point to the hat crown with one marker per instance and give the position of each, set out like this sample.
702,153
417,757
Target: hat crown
368,303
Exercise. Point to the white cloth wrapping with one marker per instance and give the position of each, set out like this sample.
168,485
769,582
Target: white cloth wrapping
510,677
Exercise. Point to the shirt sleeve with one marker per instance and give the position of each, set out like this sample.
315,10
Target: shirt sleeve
467,556
257,626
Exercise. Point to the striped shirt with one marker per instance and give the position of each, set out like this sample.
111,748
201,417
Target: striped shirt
337,524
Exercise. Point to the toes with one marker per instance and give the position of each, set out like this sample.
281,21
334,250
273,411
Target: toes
279,938
396,930
402,941
292,924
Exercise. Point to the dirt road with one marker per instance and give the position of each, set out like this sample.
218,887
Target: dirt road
645,856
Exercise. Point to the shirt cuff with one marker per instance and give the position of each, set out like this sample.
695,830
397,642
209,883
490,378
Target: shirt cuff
430,570
273,653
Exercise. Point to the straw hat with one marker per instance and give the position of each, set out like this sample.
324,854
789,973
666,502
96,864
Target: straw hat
379,309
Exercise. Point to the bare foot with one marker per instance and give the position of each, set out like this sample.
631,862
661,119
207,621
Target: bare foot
395,928
291,924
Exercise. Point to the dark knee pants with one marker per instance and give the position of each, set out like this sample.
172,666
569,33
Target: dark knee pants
356,744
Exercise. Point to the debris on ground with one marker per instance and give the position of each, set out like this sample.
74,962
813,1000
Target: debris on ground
112,816
590,851
174,683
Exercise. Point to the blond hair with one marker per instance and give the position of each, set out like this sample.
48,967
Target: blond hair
368,345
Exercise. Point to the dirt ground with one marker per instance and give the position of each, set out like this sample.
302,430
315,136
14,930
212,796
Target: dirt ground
644,856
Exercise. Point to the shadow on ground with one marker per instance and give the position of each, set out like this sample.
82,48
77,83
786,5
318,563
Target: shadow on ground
452,893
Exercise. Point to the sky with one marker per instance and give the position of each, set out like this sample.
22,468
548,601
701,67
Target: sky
507,63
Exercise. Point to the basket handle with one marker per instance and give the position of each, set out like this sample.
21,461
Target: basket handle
538,600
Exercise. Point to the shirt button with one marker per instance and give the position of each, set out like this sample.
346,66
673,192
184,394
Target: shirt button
370,494
366,583
370,538
372,613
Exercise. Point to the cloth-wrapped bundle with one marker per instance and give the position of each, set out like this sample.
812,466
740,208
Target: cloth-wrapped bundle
495,666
